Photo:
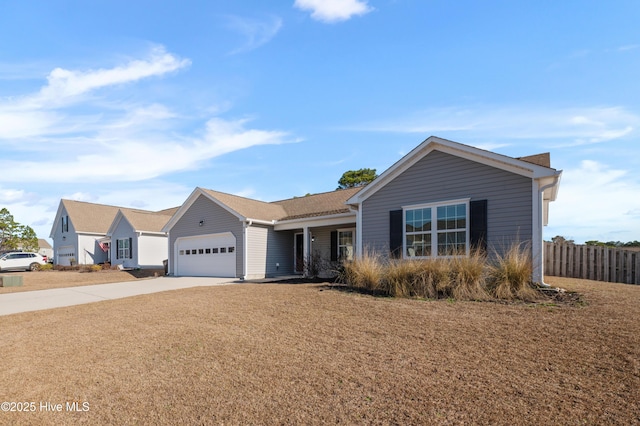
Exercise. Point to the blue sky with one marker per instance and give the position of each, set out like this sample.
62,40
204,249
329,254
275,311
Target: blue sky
136,103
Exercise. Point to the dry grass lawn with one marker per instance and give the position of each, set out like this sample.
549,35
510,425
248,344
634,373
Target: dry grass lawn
307,354
43,280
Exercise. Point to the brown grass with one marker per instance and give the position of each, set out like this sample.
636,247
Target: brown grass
44,280
304,354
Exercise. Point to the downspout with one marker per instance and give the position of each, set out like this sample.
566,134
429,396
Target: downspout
245,252
540,196
356,208
138,249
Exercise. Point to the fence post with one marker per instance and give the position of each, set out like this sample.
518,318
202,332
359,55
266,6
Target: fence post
607,273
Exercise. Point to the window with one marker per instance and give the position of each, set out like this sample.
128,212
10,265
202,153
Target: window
223,249
65,223
207,251
123,248
200,251
345,244
439,229
214,250
231,249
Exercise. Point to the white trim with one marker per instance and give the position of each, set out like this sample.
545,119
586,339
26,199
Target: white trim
471,153
434,227
193,197
316,222
437,203
354,241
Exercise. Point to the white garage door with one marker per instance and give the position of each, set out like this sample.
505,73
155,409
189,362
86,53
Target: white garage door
211,255
65,255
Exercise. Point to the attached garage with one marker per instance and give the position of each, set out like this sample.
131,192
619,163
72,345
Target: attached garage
212,255
65,256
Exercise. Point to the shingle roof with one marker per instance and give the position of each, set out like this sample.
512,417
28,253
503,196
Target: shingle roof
147,221
318,204
43,244
97,218
247,207
543,159
293,208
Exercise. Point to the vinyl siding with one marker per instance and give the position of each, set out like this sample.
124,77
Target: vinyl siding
280,252
440,177
216,220
152,250
124,230
257,238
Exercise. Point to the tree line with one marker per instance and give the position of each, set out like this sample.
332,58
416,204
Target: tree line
14,236
613,244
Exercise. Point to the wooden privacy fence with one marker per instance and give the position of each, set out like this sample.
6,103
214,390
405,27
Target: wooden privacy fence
610,264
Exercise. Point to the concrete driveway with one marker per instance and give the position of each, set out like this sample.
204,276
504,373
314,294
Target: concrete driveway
13,303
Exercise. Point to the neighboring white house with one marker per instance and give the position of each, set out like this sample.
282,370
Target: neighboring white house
137,240
80,233
44,248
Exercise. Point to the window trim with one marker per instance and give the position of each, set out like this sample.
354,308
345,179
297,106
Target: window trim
123,252
353,243
434,227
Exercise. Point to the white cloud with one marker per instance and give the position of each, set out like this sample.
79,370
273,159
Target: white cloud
65,86
333,10
256,33
594,197
112,139
574,126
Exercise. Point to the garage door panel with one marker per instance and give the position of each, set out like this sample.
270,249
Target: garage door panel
207,256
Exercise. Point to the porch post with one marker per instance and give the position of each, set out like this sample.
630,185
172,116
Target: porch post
306,241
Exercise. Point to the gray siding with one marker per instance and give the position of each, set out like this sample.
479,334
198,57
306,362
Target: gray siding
124,230
441,177
257,238
279,251
216,219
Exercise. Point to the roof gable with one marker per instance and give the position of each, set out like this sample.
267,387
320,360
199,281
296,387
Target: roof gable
95,218
524,166
316,205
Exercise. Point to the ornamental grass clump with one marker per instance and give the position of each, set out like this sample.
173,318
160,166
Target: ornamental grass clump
510,275
366,272
468,276
400,279
433,279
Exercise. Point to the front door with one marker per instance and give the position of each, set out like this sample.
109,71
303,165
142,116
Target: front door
299,254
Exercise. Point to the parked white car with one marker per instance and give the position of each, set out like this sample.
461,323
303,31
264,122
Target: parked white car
21,261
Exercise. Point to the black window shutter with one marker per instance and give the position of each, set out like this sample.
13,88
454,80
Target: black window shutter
117,249
334,246
478,224
395,233
130,248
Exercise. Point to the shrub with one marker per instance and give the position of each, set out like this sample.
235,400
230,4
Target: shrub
399,279
468,275
507,276
366,272
510,274
45,267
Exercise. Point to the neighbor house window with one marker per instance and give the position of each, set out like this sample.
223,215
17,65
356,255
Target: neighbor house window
124,248
346,240
438,229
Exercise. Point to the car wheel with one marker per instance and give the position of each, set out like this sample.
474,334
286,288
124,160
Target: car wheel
33,267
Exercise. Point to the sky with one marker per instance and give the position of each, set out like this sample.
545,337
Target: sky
136,103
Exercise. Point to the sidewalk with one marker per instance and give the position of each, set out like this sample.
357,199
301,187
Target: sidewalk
13,303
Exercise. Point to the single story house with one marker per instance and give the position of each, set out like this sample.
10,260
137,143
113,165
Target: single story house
44,248
137,240
82,233
443,197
